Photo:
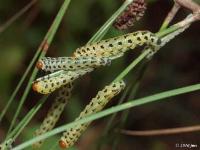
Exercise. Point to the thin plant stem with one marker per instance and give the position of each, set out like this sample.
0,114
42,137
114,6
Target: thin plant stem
127,105
14,134
170,16
132,65
108,23
159,132
4,26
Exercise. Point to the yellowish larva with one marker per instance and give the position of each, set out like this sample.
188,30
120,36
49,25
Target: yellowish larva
54,112
97,104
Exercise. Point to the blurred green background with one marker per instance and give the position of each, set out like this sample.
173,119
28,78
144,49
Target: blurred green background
176,65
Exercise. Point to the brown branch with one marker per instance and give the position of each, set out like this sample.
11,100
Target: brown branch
161,131
173,12
189,4
16,16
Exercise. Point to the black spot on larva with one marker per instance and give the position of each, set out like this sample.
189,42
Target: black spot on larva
152,40
71,67
102,46
130,41
114,85
145,37
93,48
159,41
46,86
52,84
59,66
110,45
138,38
105,90
134,34
125,36
119,43
69,85
88,49
83,50
64,81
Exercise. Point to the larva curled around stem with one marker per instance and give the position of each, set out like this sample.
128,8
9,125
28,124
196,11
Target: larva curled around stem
48,84
54,112
71,63
7,145
97,104
117,46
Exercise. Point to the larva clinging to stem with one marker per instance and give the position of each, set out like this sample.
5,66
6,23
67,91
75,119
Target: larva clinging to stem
48,84
71,63
117,46
54,112
97,104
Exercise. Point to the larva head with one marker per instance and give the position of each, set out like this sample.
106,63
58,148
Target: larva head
35,86
39,87
63,144
40,65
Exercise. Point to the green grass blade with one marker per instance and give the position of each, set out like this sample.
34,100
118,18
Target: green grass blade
127,105
131,66
21,125
109,22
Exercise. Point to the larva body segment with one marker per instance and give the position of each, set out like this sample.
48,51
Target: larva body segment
71,63
97,104
48,85
116,47
54,112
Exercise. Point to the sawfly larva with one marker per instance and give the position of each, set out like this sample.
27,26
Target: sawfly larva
50,83
71,63
97,104
54,112
117,46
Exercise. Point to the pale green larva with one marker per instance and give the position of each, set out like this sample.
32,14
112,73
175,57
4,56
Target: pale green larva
97,104
117,46
71,63
54,112
49,83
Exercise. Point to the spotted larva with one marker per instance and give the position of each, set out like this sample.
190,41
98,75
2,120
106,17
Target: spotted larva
97,104
54,112
7,145
116,47
48,84
71,63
